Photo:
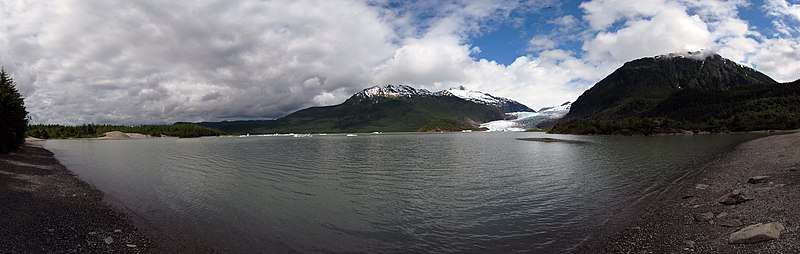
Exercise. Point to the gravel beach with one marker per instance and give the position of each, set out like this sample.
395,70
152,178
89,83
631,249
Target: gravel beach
45,209
758,182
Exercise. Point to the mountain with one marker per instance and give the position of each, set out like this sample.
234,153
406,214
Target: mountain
700,91
641,84
388,108
504,104
522,121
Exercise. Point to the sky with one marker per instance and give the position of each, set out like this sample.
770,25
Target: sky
152,61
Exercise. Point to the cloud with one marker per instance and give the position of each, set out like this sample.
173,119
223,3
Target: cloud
541,42
778,58
646,28
782,8
95,61
142,61
669,30
565,21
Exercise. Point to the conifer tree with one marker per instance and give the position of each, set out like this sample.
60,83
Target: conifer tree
13,117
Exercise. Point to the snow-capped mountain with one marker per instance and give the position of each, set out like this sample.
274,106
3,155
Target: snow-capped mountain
392,91
557,109
521,121
504,104
396,91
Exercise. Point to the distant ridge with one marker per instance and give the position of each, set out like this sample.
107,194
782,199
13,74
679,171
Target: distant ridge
504,104
388,108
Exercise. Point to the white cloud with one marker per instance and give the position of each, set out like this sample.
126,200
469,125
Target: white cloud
541,42
81,61
652,27
669,30
778,58
782,8
111,61
565,21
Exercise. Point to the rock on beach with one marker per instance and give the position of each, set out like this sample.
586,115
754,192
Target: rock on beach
757,233
735,197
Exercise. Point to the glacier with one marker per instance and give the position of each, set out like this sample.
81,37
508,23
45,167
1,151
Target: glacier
522,121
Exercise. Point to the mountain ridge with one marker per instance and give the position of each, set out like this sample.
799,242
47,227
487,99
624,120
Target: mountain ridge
678,92
646,81
387,108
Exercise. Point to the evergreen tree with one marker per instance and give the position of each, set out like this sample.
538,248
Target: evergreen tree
13,117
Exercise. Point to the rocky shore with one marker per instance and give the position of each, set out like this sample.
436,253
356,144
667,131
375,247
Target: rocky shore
748,201
46,209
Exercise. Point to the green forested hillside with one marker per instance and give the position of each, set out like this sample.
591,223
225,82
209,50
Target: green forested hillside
668,95
384,114
640,85
423,113
93,131
746,108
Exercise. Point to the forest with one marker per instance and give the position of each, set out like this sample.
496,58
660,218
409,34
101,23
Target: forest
181,130
13,117
747,108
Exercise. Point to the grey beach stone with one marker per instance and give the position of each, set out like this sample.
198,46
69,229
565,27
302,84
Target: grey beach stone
757,233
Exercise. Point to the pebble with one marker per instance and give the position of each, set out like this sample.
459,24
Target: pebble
722,214
735,197
92,233
731,223
704,216
757,179
689,244
131,245
51,230
108,240
701,186
117,231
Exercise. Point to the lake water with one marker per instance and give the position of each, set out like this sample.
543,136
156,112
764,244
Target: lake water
452,192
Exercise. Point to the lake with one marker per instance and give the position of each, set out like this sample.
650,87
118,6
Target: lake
387,193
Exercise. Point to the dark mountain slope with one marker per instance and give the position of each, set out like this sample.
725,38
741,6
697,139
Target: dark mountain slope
674,94
640,85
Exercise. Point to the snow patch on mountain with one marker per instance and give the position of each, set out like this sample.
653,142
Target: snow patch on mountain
470,95
504,104
558,109
397,91
392,91
521,121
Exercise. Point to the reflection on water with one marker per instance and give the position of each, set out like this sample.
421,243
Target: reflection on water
455,192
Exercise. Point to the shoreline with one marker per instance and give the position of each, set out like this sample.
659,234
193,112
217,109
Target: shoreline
47,209
673,221
54,211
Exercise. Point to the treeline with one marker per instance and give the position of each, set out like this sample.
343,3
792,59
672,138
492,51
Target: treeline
93,130
750,108
13,117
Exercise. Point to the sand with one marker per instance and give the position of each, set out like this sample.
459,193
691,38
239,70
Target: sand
118,135
666,223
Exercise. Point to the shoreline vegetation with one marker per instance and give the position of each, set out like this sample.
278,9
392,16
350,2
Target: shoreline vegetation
180,130
757,182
